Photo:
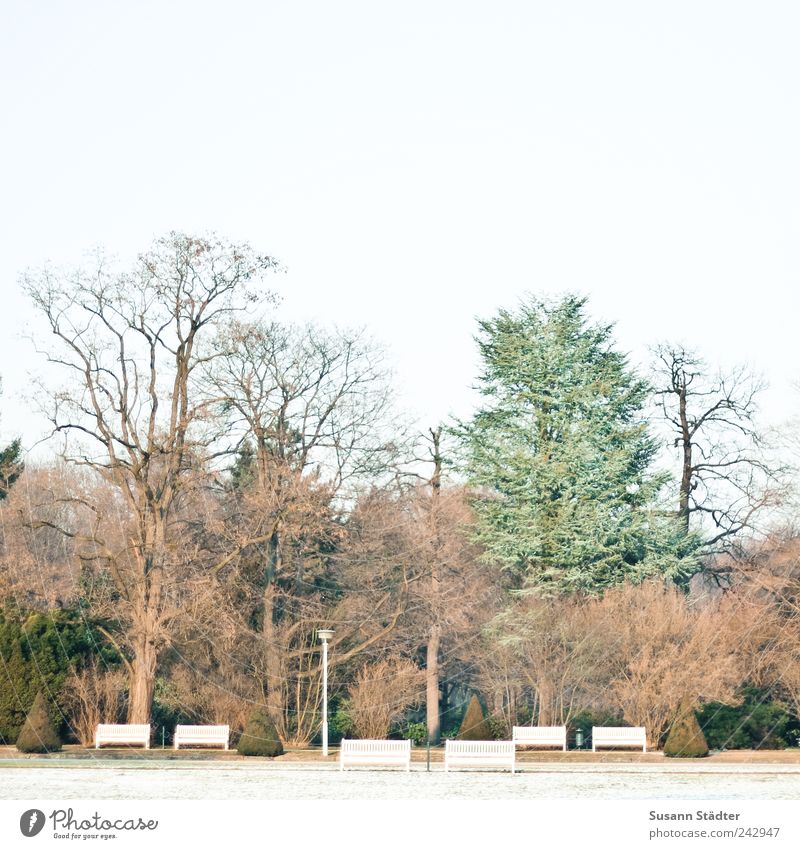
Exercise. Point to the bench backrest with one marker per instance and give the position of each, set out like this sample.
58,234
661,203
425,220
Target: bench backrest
202,732
622,734
376,747
106,733
479,747
539,733
123,732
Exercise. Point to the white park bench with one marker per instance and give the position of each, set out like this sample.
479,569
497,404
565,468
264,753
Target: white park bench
202,735
122,735
619,737
375,753
540,735
479,753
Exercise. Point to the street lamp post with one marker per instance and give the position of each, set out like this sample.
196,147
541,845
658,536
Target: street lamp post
324,634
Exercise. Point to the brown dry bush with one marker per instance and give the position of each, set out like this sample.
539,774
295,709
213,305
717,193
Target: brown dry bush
660,650
768,577
380,694
219,698
91,696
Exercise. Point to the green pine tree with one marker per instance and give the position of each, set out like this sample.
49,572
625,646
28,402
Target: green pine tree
474,725
259,736
39,734
10,466
686,738
560,456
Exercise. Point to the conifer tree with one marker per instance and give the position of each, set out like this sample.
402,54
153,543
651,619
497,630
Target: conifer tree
474,725
560,457
686,738
39,734
259,736
10,466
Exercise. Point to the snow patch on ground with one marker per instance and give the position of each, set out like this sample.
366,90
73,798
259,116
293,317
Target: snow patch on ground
165,780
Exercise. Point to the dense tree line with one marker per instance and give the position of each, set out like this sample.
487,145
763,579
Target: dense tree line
228,484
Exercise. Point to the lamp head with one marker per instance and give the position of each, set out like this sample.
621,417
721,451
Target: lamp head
324,634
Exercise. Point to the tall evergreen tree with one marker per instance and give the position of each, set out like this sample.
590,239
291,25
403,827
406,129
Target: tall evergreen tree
560,456
10,466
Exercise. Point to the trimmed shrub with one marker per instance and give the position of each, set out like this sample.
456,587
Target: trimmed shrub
474,725
38,734
685,738
259,736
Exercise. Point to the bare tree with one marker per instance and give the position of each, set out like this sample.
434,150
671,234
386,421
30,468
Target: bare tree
453,594
39,563
311,411
767,577
554,654
130,344
432,711
725,479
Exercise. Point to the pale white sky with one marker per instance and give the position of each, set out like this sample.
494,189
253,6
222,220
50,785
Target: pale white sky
417,164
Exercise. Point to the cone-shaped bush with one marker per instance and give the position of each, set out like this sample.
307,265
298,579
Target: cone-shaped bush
474,726
38,734
686,738
259,736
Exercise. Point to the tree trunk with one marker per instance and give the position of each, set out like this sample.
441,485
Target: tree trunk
686,471
434,640
545,703
142,679
498,703
147,640
432,686
272,653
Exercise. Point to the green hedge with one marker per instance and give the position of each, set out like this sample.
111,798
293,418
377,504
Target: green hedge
759,722
37,652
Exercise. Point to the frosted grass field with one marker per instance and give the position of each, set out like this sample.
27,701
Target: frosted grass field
165,780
